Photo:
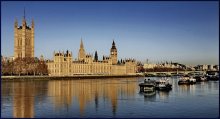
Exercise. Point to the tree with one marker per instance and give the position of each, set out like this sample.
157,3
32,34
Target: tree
96,56
24,66
42,68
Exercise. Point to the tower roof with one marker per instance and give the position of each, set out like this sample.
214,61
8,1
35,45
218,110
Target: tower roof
81,44
113,45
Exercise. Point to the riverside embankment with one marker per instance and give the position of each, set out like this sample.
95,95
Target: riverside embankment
21,78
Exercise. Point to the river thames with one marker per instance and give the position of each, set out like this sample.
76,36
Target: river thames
107,98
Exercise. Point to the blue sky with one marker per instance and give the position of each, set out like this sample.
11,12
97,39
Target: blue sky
184,32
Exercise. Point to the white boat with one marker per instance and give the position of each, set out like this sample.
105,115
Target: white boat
187,80
163,84
203,78
192,80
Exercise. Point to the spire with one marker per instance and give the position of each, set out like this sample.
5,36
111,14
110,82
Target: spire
24,21
16,23
81,54
113,42
81,44
113,45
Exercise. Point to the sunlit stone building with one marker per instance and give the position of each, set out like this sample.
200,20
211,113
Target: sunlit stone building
23,39
64,65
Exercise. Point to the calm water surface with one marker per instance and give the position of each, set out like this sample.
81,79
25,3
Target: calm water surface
116,97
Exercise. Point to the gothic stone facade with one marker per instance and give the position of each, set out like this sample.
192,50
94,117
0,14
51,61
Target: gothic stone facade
64,65
23,39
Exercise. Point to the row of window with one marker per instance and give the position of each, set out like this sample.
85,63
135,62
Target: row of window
28,42
81,68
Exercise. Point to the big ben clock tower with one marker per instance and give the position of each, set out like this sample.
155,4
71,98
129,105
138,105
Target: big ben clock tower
113,53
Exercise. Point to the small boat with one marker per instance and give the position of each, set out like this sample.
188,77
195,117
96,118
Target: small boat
187,80
200,78
192,80
184,80
163,84
147,86
212,75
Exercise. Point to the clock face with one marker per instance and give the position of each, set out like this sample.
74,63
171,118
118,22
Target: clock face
112,53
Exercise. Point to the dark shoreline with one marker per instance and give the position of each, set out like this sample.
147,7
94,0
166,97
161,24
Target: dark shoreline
25,78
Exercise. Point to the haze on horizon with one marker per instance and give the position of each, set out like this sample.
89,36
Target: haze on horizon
185,32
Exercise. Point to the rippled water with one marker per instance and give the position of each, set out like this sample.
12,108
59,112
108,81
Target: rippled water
116,97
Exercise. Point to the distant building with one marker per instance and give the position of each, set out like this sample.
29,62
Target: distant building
149,66
41,58
206,67
189,67
64,65
210,67
7,59
161,65
23,39
216,67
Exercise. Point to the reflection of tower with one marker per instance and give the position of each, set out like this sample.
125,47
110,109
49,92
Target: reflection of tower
90,91
114,103
113,54
23,100
96,99
82,104
84,96
113,95
81,54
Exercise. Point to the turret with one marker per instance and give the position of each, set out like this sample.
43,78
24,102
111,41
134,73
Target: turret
32,38
15,38
16,24
32,23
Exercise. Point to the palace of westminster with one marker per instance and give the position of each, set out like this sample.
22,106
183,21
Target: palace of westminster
63,63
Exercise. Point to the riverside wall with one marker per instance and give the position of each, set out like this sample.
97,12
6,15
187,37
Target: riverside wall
21,78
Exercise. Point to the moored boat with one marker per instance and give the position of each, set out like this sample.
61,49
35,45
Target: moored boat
192,80
147,86
187,80
184,80
200,78
163,84
212,75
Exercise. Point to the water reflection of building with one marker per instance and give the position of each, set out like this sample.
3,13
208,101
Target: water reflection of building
22,95
6,96
23,100
87,91
62,91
